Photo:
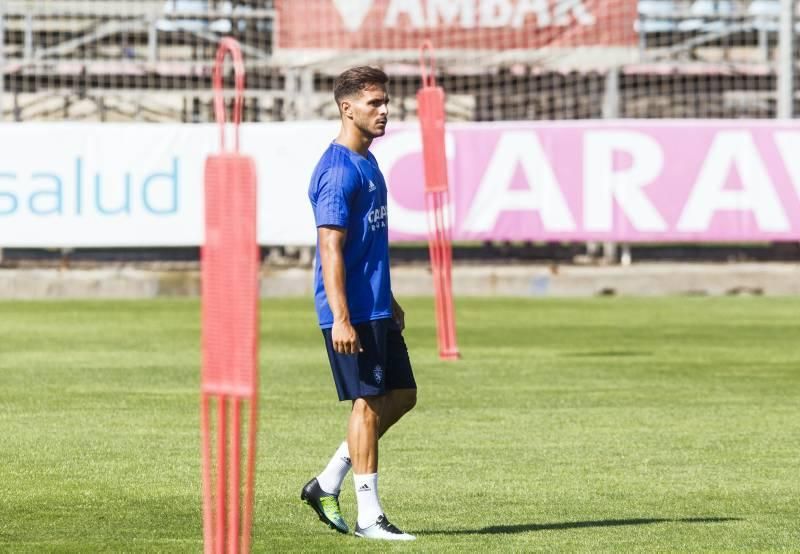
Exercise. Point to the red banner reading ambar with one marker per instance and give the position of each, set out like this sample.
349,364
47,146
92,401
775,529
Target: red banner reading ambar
454,24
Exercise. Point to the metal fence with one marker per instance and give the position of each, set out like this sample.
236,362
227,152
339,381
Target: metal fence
150,60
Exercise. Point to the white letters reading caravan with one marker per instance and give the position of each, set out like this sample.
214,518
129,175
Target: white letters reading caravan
733,149
543,195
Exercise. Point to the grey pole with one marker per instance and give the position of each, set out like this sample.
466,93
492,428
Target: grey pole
785,60
2,58
28,40
611,95
2,71
611,110
152,40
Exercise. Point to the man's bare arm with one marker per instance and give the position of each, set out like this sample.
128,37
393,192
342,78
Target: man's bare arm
331,256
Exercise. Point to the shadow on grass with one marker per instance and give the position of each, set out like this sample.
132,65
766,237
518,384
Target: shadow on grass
528,527
607,354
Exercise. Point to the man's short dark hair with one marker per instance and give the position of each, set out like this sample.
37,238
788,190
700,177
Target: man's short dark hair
355,80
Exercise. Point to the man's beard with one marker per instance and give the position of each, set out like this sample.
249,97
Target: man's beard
369,133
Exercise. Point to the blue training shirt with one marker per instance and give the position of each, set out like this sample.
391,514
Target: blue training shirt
348,190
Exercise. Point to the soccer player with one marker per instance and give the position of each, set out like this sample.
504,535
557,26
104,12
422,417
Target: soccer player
361,321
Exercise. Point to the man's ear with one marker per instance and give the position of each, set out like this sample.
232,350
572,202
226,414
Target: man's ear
346,108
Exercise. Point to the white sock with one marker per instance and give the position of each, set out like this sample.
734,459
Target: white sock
369,506
330,480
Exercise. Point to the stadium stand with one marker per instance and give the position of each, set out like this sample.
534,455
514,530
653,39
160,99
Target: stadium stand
149,60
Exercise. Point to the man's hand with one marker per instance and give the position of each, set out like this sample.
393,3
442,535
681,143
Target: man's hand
398,314
345,339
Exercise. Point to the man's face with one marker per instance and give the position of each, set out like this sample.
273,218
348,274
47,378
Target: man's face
369,111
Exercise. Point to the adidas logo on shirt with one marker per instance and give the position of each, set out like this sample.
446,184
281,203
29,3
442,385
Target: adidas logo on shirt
372,186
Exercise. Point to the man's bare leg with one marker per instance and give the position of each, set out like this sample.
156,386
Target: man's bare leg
397,403
364,429
362,433
362,440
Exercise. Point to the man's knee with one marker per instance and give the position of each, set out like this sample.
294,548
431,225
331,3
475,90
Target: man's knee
368,409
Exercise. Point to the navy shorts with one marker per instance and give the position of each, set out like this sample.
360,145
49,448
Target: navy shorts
382,366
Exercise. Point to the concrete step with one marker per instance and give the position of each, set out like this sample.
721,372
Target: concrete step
646,279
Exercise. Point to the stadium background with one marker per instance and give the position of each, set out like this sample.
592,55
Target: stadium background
610,422
150,61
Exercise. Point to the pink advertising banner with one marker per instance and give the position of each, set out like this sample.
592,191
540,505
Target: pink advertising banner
623,181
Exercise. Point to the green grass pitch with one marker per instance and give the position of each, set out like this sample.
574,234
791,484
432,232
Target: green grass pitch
606,424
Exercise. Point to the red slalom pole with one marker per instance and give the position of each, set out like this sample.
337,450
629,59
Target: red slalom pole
249,490
230,262
219,530
235,475
430,106
205,433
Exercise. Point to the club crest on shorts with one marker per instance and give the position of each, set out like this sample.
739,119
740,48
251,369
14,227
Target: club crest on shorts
378,374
